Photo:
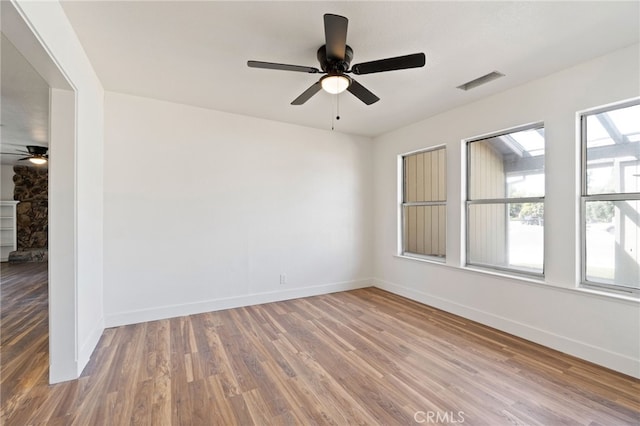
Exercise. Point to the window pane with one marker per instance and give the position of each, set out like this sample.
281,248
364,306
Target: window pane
509,235
425,176
613,242
507,166
425,230
613,151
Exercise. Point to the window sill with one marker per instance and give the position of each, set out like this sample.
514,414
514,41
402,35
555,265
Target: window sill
529,280
433,261
535,279
610,294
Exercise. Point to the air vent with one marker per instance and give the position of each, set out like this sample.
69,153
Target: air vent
480,80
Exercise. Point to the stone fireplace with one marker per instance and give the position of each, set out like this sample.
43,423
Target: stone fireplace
32,214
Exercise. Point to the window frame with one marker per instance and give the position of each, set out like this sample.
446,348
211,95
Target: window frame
403,204
585,198
506,201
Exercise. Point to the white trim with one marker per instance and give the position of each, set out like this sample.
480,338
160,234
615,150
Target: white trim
610,293
426,259
467,201
421,150
171,311
399,199
600,356
528,126
528,279
28,41
584,197
76,111
87,347
609,106
402,204
19,27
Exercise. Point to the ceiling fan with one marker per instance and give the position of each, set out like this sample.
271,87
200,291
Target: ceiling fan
335,58
35,154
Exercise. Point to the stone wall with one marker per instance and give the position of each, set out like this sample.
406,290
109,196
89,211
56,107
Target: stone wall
32,213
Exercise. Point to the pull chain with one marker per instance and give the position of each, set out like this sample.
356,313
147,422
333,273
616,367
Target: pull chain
332,120
337,117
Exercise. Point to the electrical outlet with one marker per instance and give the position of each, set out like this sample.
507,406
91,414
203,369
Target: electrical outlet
283,278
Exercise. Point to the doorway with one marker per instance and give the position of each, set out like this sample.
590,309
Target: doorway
61,357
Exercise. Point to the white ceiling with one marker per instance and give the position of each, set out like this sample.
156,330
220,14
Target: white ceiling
24,105
196,52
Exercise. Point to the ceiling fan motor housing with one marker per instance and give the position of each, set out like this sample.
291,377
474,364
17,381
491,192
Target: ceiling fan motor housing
334,66
37,150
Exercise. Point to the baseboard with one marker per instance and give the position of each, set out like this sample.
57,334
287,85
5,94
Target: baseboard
89,344
59,375
597,355
171,311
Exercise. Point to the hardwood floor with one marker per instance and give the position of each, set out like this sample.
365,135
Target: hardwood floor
24,336
364,357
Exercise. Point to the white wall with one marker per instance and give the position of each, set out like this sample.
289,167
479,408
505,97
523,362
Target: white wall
76,308
6,182
204,210
602,329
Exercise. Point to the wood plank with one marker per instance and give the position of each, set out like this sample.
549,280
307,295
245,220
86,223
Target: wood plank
362,357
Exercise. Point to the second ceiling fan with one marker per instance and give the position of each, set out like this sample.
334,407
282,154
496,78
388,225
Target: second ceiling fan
34,153
335,59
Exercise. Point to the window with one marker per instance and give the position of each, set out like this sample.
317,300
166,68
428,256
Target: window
610,202
424,199
505,201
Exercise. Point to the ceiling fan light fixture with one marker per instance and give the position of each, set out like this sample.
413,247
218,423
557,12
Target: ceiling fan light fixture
38,160
335,84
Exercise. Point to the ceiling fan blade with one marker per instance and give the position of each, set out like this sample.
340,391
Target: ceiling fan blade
416,60
13,153
282,67
25,158
362,93
18,151
307,94
19,145
335,33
